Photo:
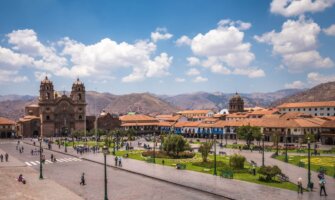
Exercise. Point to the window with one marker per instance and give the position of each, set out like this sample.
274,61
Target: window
289,109
328,108
48,117
315,114
47,108
315,109
304,109
328,114
298,109
295,130
80,109
310,109
80,117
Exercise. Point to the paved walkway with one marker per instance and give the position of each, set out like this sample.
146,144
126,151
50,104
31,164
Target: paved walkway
229,188
34,189
292,171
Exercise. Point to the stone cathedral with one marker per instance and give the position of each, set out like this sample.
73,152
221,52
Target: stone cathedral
56,114
61,114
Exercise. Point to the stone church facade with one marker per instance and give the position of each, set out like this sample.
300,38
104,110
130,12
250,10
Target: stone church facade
58,114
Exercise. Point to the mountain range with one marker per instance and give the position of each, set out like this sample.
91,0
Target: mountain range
12,106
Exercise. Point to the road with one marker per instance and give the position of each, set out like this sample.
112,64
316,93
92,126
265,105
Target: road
121,184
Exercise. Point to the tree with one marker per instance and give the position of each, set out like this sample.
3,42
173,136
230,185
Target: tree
130,134
311,137
237,161
275,139
269,172
174,144
249,133
204,150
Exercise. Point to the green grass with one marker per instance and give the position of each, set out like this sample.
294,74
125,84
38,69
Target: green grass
209,169
327,162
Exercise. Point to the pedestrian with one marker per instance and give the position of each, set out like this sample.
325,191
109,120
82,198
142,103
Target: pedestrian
115,160
163,162
120,161
17,147
322,183
1,158
52,157
82,179
300,189
6,157
254,169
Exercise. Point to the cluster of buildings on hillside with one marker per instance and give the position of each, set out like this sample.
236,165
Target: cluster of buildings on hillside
59,115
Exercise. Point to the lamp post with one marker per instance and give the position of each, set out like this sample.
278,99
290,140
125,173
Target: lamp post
263,135
309,164
154,147
105,151
214,155
41,173
286,158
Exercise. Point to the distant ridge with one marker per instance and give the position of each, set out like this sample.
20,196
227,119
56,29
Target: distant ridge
322,92
12,106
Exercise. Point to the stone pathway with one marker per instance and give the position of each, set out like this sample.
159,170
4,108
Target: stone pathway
34,189
233,189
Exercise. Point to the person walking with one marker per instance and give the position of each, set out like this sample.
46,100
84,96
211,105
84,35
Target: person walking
1,158
115,159
6,157
120,161
52,157
300,189
82,179
323,187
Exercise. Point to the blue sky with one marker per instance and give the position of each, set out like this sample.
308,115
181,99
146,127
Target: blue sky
166,47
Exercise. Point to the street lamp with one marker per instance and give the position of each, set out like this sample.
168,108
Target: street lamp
41,174
263,135
105,151
286,158
214,155
65,145
154,147
309,186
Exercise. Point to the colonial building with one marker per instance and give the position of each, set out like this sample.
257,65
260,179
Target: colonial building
236,104
196,115
55,114
7,128
141,124
325,108
108,122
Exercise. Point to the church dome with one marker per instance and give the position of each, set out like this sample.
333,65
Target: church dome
46,80
78,82
236,97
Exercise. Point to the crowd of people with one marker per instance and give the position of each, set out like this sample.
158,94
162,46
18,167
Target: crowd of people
2,157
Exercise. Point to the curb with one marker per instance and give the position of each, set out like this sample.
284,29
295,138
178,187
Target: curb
137,173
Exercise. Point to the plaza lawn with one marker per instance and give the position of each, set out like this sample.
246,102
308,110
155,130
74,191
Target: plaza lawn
327,162
195,164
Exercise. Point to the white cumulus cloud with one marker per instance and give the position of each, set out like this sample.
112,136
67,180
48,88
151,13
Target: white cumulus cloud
298,51
200,79
192,72
330,30
160,34
290,8
10,76
315,78
295,85
222,50
183,40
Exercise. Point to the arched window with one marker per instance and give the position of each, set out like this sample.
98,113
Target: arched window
48,95
79,96
80,117
48,117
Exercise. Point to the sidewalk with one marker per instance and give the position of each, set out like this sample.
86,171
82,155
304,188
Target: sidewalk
228,188
34,189
292,171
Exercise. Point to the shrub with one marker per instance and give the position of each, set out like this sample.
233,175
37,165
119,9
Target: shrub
163,154
237,161
269,172
175,144
204,150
